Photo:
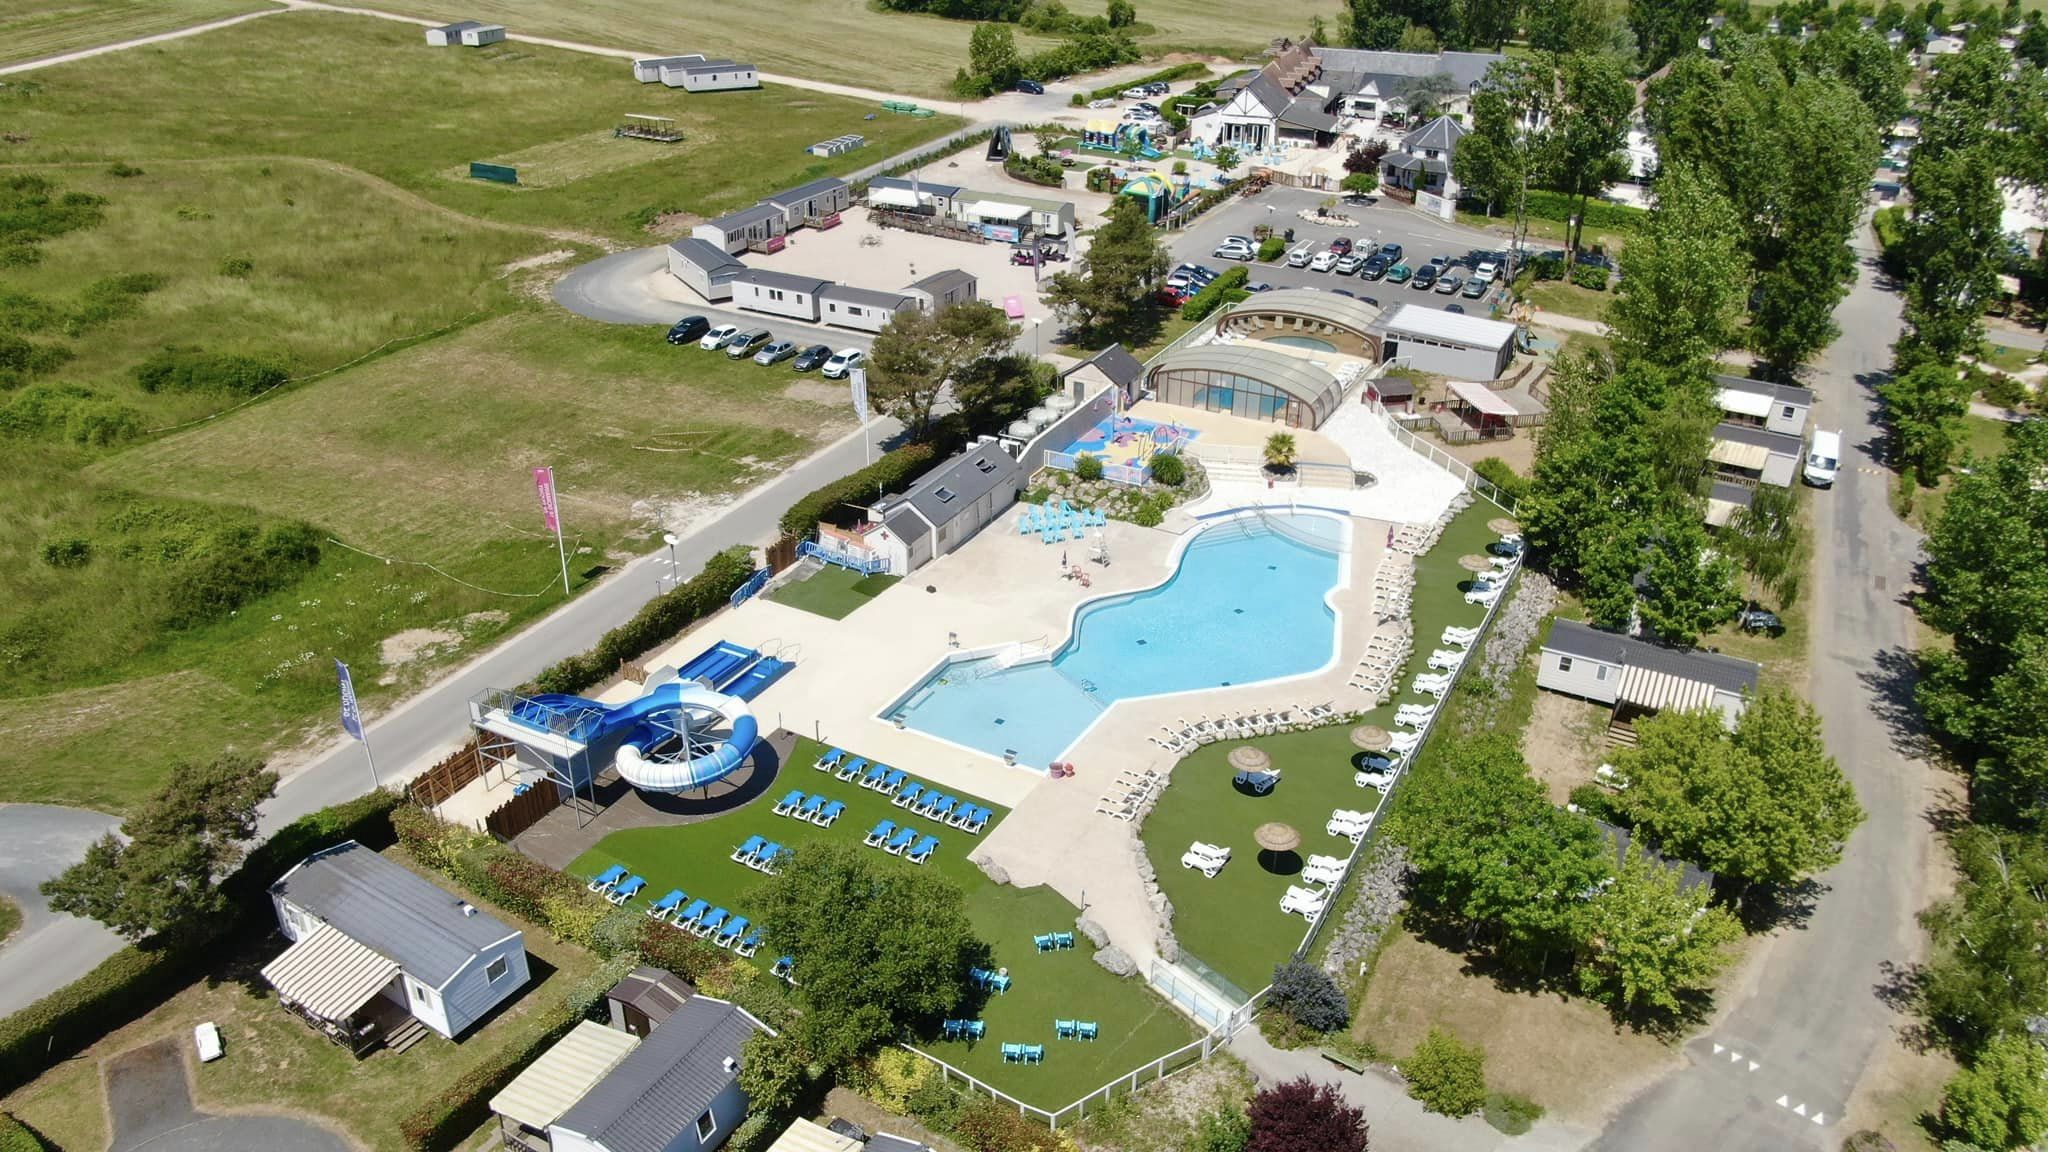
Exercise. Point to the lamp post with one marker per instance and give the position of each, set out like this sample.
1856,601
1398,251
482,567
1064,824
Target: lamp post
1037,323
674,576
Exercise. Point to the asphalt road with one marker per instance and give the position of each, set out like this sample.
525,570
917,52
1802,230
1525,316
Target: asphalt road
613,289
436,719
37,841
151,1103
1780,1069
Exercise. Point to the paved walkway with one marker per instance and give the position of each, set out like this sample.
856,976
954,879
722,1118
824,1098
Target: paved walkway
150,1097
37,841
120,45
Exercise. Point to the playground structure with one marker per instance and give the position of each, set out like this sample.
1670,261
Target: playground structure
1055,523
689,728
1111,136
660,129
1158,194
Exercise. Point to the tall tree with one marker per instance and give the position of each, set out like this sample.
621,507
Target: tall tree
1988,974
918,353
2000,1101
1587,119
1667,29
1488,22
1493,161
992,53
1954,245
1688,589
1118,274
1768,539
163,877
1647,947
1425,95
1562,26
1370,24
1924,408
1684,276
1301,1115
1861,58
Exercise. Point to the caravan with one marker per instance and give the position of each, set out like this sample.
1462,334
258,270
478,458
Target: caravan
1823,458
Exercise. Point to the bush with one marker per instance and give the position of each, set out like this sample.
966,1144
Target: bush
70,552
447,1118
893,473
1088,467
1202,303
1360,183
936,1104
110,299
1890,226
1307,993
986,1126
678,951
1549,266
757,1132
660,619
241,566
1512,1115
16,1136
890,1078
1502,475
22,360
1446,1076
1169,469
1043,170
177,369
1271,248
238,267
121,170
1587,276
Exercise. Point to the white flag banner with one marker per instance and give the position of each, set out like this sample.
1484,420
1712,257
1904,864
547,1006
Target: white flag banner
859,376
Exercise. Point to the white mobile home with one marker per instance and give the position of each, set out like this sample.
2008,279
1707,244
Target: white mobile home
737,231
810,203
939,289
710,76
483,34
1744,452
862,308
450,35
373,942
707,268
676,1091
647,69
1780,408
778,293
1639,678
948,505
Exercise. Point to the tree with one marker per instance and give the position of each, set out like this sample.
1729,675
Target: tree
1280,451
1226,158
1418,40
1649,948
1120,13
1684,276
1360,183
992,54
1666,29
1492,161
1368,24
773,1072
1582,145
1952,249
1862,59
1446,1076
1767,540
1301,1115
2032,45
1226,1129
1688,588
1988,974
1118,275
1425,95
1924,409
1562,26
1489,22
2001,1100
1306,993
882,948
917,353
1765,805
162,879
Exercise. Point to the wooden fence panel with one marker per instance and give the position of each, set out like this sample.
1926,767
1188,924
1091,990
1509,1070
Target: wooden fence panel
522,812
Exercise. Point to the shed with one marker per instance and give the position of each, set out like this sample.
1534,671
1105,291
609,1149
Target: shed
939,289
482,34
1638,677
366,929
809,203
710,76
552,1084
1780,408
449,35
645,998
647,69
678,1091
994,211
1749,453
707,268
734,231
1724,499
1446,343
862,308
952,502
1690,875
778,293
1113,367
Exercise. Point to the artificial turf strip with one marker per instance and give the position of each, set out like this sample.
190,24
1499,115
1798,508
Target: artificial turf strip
1233,923
832,592
1136,1025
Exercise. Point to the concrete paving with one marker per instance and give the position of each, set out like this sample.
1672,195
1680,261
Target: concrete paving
151,1100
50,949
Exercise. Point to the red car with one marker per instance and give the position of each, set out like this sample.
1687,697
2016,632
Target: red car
1025,256
1341,246
1173,297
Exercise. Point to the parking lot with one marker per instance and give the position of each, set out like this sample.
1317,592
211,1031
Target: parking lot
1385,222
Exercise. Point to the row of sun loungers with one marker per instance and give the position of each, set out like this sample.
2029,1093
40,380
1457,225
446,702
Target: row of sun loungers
1182,736
1385,655
760,853
1305,902
1023,1053
1376,772
1324,870
1350,824
615,885
815,809
698,918
1393,586
1208,859
951,811
1075,1029
903,842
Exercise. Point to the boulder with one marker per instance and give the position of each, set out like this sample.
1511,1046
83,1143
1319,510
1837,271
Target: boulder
1116,961
1091,930
995,872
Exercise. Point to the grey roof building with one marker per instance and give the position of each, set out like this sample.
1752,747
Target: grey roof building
1466,69
1690,875
951,502
431,932
1639,677
679,1090
804,192
927,187
1112,367
786,281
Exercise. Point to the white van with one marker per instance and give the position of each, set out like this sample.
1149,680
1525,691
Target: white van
1823,458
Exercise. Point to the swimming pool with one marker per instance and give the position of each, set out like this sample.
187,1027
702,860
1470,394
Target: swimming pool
1308,342
1247,602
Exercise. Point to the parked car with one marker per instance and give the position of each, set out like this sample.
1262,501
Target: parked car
1302,254
1596,260
717,337
1031,86
1158,87
1234,248
1376,266
747,343
1457,309
1400,274
1391,251
1449,283
775,352
1341,245
1146,106
1487,272
1475,287
1258,286
1349,264
1101,104
689,330
1342,292
1323,261
842,362
1372,300
1172,295
1138,92
812,357
1823,458
1425,278
1051,253
1758,620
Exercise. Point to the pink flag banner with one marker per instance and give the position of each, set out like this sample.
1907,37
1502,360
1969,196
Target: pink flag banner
544,483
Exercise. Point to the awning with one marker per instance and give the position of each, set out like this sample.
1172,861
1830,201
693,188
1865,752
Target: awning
328,975
1661,691
1481,397
553,1084
997,210
1719,512
804,1136
1746,403
894,197
1750,457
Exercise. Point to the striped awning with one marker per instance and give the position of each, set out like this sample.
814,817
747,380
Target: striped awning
1751,457
329,975
1661,691
553,1084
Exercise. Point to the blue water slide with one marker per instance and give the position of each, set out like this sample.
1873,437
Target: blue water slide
743,732
718,664
756,679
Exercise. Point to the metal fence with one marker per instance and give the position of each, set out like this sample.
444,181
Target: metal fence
1136,477
1443,459
1186,1056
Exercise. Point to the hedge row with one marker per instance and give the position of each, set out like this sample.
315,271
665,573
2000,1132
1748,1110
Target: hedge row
894,472
660,619
1163,76
136,979
1213,297
16,1137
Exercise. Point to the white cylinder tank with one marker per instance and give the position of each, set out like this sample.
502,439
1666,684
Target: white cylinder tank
1060,402
1039,417
1021,430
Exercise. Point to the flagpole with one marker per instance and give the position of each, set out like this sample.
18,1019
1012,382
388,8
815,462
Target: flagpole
551,514
371,757
352,719
562,553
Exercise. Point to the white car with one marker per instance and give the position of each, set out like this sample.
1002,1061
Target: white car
1486,271
1100,104
1301,255
1349,263
716,338
1234,250
1323,262
1138,93
842,362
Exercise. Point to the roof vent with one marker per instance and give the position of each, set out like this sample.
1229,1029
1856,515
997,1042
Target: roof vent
468,909
731,1065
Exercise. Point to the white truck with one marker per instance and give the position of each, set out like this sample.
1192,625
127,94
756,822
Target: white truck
1823,459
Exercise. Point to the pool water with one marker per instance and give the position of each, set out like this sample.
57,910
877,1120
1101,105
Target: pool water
1245,604
1123,439
1308,342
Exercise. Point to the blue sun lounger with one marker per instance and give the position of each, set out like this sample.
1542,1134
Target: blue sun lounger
942,809
829,760
1063,939
876,773
712,922
790,803
783,966
850,769
879,834
811,807
627,890
608,879
1043,943
908,797
750,945
745,853
666,904
734,929
976,820
901,840
923,851
771,855
829,815
892,781
688,917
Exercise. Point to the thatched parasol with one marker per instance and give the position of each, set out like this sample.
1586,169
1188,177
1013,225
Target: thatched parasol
1474,562
1503,525
1371,738
1246,758
1276,843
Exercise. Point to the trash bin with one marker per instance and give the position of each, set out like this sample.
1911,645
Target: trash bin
1290,235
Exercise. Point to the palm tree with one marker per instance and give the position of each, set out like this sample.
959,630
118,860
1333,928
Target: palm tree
1280,451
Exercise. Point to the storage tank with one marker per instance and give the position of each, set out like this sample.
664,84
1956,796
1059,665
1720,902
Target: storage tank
1060,402
1041,417
1021,430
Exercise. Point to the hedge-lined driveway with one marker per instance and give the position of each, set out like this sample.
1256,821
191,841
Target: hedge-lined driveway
50,949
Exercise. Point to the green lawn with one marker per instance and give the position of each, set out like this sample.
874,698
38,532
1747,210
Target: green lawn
10,918
33,29
833,592
2006,356
1233,923
1982,437
1136,1025
1567,299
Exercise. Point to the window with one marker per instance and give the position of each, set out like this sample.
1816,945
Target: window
775,293
1564,663
1600,672
1789,411
831,307
706,1125
945,495
497,970
421,993
986,466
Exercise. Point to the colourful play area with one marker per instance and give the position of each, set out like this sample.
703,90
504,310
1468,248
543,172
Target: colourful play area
1130,441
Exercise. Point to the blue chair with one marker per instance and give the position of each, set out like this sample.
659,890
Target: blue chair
789,803
1063,939
1044,942
745,853
750,945
627,890
811,808
850,769
892,782
608,879
1013,1053
666,904
976,1029
879,834
712,922
771,855
953,1029
830,760
998,982
901,840
1084,1029
979,976
829,814
875,775
976,820
908,797
1063,1028
687,919
734,929
1034,1053
923,851
783,966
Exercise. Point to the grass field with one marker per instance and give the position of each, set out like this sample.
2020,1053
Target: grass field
410,114
1233,923
33,29
10,918
1982,437
1136,1026
1567,299
276,1063
833,592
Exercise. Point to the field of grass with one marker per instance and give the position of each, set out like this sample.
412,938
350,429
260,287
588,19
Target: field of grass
10,918
1233,923
833,592
2007,357
1136,1025
1983,437
276,1063
33,29
1567,299
411,115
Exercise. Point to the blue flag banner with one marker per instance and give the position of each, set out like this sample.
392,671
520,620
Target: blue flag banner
351,714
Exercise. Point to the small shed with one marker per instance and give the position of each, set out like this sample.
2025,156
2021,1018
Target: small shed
1725,499
482,34
736,231
552,1084
450,35
647,69
939,289
707,268
1113,367
863,308
812,202
645,998
804,1136
779,293
1445,343
949,504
